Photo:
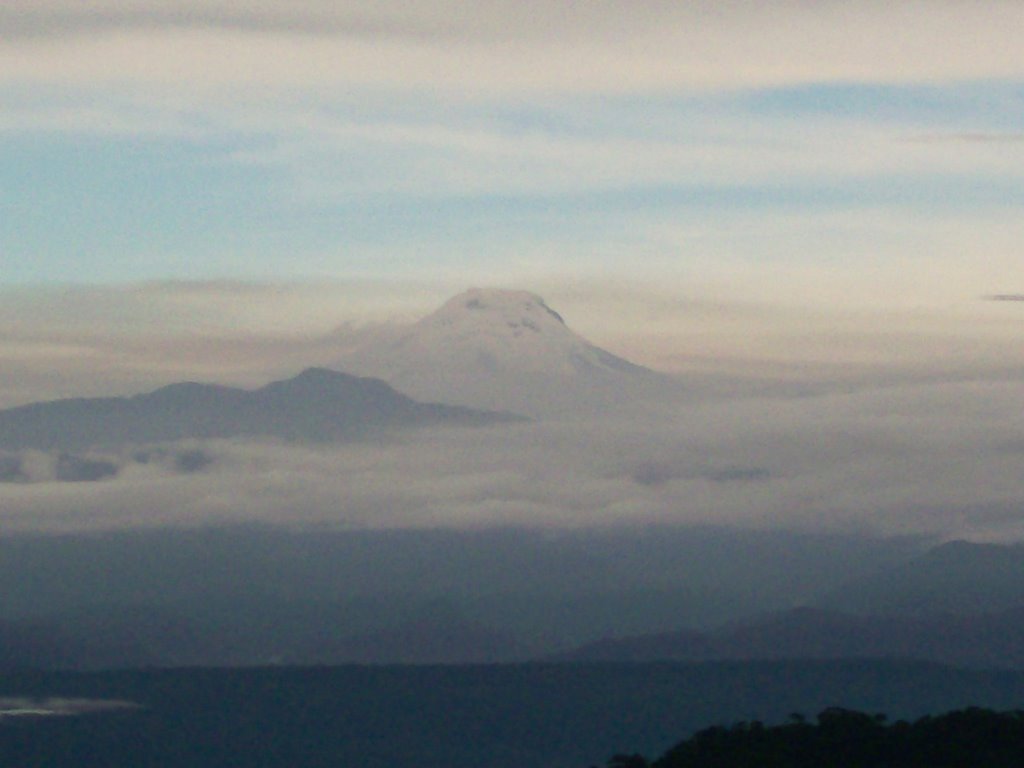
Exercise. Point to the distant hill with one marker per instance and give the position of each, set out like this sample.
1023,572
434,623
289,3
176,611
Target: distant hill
39,645
316,405
250,633
955,577
987,640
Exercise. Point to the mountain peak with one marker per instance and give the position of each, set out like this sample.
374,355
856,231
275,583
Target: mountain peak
490,332
313,381
500,350
508,304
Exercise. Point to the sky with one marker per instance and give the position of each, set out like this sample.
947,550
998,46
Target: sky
866,158
230,191
512,142
684,181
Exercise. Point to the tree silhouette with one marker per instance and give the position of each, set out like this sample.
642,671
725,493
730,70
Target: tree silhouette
844,738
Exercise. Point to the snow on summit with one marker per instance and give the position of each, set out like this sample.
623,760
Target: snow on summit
510,331
500,349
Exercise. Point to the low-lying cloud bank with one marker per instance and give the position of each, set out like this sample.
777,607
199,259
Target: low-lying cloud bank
943,460
58,707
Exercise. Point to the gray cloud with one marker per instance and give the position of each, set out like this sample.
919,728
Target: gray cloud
12,469
40,468
973,137
195,460
434,21
442,20
81,469
655,473
529,44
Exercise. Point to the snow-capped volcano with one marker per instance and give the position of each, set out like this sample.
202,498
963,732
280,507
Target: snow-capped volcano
505,332
498,349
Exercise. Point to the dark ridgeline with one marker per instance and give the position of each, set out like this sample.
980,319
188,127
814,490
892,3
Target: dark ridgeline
957,603
843,738
317,405
958,577
983,640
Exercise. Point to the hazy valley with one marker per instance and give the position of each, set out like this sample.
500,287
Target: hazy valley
515,384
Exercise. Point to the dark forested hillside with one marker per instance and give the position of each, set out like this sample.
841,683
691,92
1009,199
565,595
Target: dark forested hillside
843,738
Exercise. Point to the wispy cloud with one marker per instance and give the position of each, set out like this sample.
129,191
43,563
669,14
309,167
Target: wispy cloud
970,138
507,45
375,139
1006,297
476,154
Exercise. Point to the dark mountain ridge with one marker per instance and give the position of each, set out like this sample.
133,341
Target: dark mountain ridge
981,640
248,594
317,405
955,577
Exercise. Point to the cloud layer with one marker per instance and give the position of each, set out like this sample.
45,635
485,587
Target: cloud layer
944,460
